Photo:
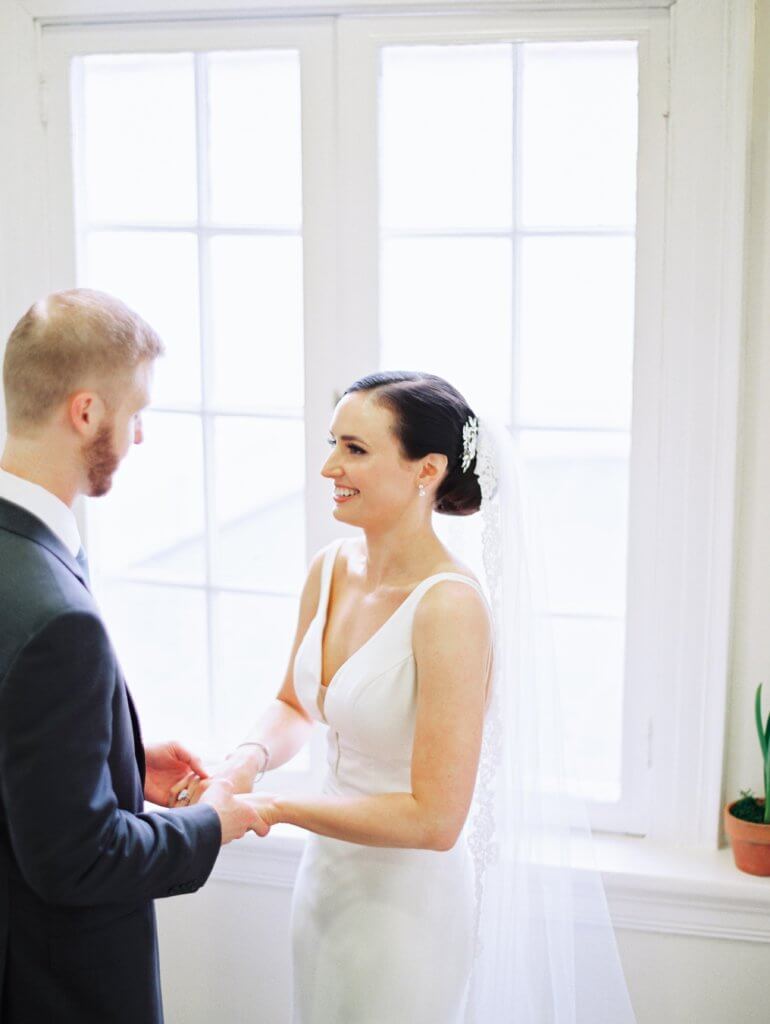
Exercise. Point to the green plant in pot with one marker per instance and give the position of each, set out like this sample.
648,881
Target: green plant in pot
747,821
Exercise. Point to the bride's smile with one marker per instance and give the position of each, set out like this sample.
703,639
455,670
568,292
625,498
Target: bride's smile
342,494
367,461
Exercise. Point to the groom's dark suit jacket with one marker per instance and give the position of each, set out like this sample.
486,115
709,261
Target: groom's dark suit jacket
80,863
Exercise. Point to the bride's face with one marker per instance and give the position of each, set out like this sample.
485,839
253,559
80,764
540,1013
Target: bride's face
374,484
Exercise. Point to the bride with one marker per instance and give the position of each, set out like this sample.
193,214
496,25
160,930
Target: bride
400,914
393,654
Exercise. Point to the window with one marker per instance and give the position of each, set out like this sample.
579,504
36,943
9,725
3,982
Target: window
507,212
465,202
190,189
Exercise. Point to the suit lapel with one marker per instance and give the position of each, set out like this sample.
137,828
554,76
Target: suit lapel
138,744
16,519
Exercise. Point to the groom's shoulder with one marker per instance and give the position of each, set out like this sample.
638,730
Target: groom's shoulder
35,588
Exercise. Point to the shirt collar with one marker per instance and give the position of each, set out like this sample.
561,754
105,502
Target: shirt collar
46,506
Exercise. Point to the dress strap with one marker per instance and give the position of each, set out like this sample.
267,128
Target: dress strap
457,577
327,570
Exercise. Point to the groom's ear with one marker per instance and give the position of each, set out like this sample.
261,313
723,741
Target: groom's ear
85,412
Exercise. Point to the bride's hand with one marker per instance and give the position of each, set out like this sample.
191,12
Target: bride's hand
239,769
266,807
191,789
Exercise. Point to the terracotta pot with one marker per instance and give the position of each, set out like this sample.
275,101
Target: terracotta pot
750,842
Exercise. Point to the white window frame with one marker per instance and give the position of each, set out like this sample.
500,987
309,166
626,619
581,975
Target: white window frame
699,327
359,43
313,40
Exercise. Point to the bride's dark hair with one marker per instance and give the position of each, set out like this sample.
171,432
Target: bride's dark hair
429,417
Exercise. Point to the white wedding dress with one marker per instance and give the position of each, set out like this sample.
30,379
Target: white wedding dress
380,936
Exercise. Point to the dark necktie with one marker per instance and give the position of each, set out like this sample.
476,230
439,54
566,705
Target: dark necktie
82,560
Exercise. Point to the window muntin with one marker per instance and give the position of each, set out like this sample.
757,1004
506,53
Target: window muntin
189,192
507,242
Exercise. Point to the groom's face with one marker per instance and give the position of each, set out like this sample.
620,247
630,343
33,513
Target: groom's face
373,483
120,430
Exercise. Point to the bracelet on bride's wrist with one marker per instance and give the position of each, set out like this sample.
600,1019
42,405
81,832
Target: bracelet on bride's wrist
265,751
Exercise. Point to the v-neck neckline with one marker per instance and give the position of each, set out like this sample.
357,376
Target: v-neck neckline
323,691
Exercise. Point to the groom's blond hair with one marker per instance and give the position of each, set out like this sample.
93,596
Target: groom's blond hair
67,341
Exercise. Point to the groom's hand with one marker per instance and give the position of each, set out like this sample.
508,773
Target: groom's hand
239,769
265,805
169,764
237,814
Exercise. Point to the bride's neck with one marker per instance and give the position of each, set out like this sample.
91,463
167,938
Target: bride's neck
399,555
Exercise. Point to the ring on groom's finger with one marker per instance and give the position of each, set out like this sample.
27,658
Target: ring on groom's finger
183,795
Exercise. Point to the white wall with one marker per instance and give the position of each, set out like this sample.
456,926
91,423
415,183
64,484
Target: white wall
225,957
679,979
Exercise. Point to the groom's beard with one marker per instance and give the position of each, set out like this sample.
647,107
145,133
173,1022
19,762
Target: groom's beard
101,462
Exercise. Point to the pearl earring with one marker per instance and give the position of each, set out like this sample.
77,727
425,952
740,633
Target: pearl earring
421,490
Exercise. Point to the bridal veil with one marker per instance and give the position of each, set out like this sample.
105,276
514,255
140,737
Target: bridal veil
546,951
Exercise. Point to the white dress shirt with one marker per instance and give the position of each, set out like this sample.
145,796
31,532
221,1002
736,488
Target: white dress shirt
46,506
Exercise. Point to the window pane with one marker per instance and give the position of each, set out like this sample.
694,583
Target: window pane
200,469
252,645
576,332
138,138
257,322
578,134
580,487
160,637
259,495
446,136
151,524
589,663
156,274
255,138
538,330
446,309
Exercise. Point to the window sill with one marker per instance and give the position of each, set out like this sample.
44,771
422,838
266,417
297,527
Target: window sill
650,886
653,886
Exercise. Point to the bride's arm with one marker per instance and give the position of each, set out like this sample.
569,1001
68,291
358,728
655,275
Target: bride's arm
284,727
452,648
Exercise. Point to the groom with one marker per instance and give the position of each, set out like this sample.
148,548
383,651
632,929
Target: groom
80,861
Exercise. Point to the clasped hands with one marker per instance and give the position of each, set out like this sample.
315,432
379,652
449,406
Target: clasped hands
177,778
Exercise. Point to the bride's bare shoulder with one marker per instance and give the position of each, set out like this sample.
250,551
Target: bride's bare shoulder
453,609
453,601
449,563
